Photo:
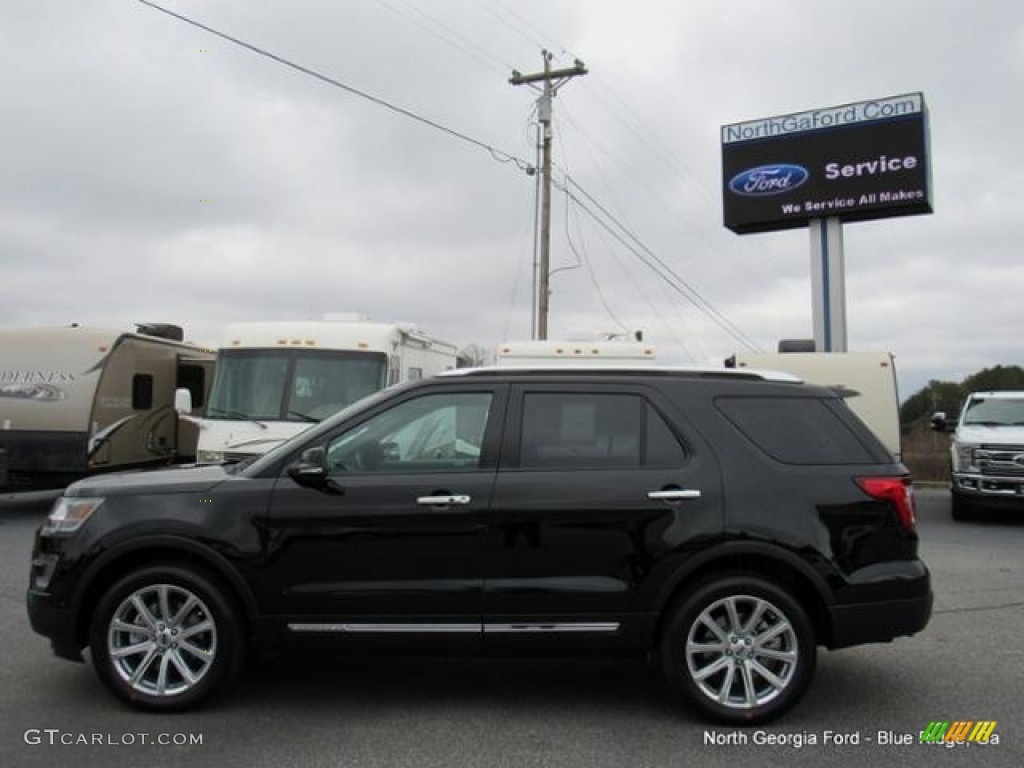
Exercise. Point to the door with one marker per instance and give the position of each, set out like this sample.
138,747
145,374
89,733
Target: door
595,503
391,550
133,418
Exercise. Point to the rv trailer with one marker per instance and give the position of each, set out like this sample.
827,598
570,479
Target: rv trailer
76,400
275,379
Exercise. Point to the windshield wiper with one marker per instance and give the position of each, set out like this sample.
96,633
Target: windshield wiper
234,415
304,417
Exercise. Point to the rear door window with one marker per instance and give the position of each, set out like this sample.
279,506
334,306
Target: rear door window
582,430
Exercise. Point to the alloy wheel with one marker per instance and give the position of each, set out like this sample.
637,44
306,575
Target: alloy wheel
742,652
162,640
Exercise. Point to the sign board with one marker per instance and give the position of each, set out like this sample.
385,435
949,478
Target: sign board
854,162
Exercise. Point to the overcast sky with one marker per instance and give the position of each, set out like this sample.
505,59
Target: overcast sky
155,172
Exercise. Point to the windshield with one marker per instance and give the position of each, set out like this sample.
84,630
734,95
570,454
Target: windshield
993,411
300,385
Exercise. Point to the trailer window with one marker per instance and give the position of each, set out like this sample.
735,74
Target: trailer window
142,392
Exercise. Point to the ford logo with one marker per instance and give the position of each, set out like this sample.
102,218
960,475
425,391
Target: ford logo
768,180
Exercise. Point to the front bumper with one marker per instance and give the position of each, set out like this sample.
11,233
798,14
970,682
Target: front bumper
56,622
1008,491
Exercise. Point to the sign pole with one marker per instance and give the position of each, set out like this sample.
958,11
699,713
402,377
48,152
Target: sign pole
828,284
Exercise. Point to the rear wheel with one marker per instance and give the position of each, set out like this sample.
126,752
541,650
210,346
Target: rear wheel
739,649
166,638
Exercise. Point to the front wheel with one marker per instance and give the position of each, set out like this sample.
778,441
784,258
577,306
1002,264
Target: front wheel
165,638
739,649
961,509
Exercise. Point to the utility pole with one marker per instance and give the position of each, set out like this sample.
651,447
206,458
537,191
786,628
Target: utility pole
552,80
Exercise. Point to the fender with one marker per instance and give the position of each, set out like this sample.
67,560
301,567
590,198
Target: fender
731,550
219,564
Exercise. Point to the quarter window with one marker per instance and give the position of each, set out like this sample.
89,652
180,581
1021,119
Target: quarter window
574,430
795,430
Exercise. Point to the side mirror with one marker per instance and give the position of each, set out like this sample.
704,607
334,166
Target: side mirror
183,401
939,423
310,471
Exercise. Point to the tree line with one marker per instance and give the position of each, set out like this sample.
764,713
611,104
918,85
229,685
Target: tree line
948,396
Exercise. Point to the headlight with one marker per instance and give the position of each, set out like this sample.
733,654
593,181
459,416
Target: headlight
69,513
965,457
210,457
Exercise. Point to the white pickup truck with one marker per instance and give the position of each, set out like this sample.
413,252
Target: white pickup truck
987,453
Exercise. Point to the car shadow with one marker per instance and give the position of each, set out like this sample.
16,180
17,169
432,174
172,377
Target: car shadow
371,687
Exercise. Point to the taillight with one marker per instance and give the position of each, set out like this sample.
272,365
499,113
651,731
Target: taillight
899,491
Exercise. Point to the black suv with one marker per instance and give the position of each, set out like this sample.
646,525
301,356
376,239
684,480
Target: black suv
724,523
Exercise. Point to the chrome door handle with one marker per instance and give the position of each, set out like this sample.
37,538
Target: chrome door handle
443,501
676,495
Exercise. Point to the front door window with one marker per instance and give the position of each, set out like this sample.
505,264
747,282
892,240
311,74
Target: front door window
435,433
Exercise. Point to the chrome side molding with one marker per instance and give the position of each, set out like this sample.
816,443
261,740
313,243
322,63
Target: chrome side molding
426,628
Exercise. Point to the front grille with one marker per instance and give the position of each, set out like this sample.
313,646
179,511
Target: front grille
1000,460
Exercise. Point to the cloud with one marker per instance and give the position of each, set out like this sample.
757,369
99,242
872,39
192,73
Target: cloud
155,172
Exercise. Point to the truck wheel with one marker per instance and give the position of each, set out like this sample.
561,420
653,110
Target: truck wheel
166,638
739,649
961,509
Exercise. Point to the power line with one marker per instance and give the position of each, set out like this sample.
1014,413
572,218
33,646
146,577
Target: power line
642,184
669,327
655,263
649,138
534,237
449,36
672,278
519,28
497,154
582,258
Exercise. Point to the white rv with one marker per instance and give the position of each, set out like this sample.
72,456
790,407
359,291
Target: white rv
871,377
77,400
274,379
577,353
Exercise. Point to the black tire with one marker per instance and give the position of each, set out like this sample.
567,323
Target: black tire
733,677
961,509
187,645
